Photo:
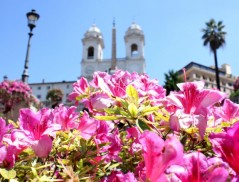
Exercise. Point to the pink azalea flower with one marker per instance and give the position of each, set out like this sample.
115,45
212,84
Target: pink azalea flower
101,80
114,147
36,129
196,167
10,157
114,85
43,146
66,117
107,134
87,126
98,102
135,134
226,146
193,100
219,174
102,132
103,129
140,171
196,164
13,147
3,129
120,80
228,111
79,88
218,170
158,155
149,88
3,153
117,176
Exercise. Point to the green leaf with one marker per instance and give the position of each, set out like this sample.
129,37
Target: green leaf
149,110
114,110
183,140
113,166
80,97
132,92
80,163
34,171
8,174
133,110
142,125
122,102
107,165
107,118
44,166
123,113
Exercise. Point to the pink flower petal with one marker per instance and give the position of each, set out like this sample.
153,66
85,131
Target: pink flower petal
87,126
43,147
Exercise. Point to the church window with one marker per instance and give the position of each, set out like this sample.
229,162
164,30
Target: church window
134,50
90,52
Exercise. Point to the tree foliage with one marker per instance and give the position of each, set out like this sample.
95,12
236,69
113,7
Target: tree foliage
171,81
214,36
55,96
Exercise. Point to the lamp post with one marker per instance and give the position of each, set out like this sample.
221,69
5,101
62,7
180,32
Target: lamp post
32,18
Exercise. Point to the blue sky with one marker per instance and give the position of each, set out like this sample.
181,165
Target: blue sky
172,31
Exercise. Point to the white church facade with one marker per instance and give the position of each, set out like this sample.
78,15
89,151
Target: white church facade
93,46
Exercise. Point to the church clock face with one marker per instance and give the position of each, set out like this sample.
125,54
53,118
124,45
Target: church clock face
89,70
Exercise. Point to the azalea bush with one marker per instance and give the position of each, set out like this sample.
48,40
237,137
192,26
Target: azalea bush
128,130
14,93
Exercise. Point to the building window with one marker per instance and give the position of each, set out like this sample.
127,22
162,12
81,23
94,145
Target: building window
211,80
67,86
48,87
91,52
197,76
39,88
134,50
39,96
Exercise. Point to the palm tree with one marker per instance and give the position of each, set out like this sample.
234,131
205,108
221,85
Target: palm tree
171,81
214,35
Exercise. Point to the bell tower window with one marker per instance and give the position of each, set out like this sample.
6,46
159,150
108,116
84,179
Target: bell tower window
134,50
90,53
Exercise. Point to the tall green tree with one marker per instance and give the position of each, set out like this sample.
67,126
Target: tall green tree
171,81
214,36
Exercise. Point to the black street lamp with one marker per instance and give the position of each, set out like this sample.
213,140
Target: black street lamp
32,18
